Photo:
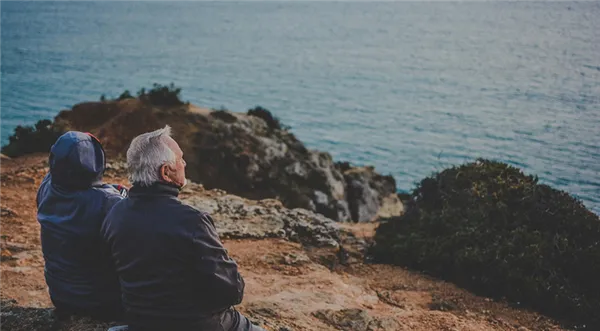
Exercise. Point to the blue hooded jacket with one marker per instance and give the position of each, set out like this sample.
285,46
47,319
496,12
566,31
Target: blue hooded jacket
72,203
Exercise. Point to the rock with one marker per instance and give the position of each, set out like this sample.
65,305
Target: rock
236,217
391,206
7,212
18,318
365,201
5,254
320,198
367,192
265,308
295,259
241,154
296,169
347,319
203,204
356,320
267,314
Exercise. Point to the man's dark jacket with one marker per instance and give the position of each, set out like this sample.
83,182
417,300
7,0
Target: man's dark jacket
173,269
72,203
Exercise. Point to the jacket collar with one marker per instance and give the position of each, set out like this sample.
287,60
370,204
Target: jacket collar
156,189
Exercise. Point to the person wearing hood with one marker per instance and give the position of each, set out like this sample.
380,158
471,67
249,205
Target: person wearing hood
72,202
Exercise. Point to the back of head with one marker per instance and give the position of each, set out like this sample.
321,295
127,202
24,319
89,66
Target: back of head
146,154
77,161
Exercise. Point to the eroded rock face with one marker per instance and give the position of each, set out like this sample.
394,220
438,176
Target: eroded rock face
236,217
242,155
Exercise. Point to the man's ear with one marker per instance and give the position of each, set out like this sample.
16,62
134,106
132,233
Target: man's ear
164,173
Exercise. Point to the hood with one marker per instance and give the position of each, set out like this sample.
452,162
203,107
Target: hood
76,161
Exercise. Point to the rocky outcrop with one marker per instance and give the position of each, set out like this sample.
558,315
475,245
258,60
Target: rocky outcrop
238,218
248,155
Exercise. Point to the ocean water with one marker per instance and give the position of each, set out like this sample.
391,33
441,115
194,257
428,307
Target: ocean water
408,87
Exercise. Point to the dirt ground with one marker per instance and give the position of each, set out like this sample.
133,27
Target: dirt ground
288,286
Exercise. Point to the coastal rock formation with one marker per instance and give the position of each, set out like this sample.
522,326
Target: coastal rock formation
238,218
250,155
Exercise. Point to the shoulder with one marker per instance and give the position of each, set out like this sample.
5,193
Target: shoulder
189,211
46,182
106,191
192,217
107,194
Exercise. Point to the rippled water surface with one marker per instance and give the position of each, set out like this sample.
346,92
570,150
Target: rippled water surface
408,87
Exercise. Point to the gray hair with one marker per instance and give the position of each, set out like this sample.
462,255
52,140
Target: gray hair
146,154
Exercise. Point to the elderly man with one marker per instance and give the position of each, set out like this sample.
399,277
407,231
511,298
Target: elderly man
175,274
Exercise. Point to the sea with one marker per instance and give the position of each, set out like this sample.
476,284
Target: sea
408,87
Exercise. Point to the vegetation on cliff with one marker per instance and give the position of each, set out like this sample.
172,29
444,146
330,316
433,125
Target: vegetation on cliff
41,136
492,229
30,139
272,122
158,95
162,95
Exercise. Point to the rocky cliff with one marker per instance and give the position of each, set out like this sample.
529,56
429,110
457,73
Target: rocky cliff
250,155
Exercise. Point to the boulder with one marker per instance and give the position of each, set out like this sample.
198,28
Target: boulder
236,217
368,192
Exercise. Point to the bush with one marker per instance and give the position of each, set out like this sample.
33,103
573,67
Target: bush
224,115
162,95
492,229
272,121
125,95
28,139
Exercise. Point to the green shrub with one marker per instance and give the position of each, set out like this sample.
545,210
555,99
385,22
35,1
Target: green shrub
31,139
224,115
162,95
488,227
272,121
125,95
